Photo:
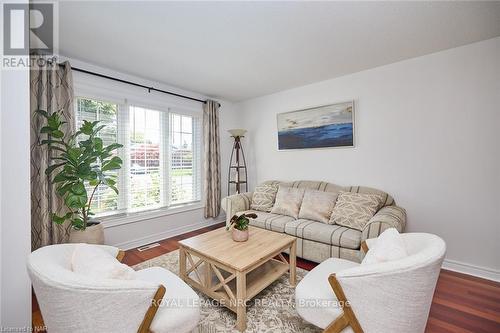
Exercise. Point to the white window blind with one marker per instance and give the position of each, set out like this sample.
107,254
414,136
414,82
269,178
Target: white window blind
144,156
105,199
161,155
184,159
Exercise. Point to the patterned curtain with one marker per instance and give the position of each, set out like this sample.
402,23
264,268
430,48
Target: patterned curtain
211,144
52,91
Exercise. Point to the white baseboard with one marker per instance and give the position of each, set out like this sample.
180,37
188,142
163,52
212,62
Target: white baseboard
482,272
165,234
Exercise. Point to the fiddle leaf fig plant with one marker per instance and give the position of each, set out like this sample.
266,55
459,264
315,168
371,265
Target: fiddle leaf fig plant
241,222
77,162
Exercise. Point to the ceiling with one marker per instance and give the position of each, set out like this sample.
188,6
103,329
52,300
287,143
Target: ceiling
239,50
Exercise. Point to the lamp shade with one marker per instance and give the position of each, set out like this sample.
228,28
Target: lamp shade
237,132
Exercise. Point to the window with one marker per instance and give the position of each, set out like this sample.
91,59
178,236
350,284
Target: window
145,156
161,155
183,168
105,199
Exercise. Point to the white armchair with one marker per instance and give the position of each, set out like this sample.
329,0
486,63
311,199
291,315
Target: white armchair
156,301
389,297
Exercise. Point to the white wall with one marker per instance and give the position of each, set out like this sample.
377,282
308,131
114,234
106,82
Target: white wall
427,132
15,228
15,218
1,258
131,232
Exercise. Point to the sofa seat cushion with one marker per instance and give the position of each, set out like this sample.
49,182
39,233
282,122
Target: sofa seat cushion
315,300
325,233
179,310
269,221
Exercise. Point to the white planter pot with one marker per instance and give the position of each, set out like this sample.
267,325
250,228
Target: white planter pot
240,235
93,234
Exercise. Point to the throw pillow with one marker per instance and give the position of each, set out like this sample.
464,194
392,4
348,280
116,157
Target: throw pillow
288,200
388,247
94,262
354,210
317,205
263,197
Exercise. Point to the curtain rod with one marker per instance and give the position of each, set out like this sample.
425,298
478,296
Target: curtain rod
150,89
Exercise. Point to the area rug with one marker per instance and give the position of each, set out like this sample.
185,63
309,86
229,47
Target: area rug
270,311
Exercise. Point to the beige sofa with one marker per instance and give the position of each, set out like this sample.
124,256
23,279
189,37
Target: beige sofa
318,241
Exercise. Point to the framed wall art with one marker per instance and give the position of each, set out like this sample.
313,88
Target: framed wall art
327,126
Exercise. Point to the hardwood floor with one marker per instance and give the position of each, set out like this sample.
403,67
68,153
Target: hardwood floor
461,303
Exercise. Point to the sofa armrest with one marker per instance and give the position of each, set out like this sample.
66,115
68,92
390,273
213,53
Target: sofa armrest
236,203
387,217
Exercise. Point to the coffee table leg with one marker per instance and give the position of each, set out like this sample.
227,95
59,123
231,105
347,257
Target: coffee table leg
241,291
293,263
182,263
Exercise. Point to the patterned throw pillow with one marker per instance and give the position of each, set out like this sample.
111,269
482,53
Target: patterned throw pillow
317,205
263,197
288,201
354,210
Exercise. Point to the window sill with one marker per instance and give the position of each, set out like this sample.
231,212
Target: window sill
115,220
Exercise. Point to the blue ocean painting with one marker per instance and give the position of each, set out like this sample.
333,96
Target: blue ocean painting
321,127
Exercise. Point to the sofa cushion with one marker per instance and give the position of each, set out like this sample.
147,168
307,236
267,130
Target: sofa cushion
179,310
288,201
329,187
325,233
386,199
269,221
313,185
263,197
317,205
354,210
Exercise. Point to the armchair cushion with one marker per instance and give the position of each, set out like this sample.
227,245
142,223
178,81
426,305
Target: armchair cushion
94,262
179,310
389,246
314,298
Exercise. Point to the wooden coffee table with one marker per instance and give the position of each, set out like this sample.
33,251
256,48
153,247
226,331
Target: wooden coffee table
231,272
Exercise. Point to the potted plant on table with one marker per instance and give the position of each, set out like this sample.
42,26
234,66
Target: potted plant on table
239,226
79,162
